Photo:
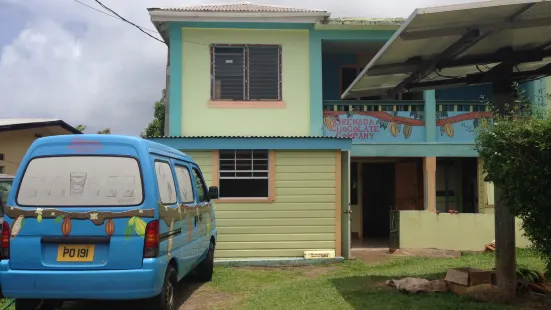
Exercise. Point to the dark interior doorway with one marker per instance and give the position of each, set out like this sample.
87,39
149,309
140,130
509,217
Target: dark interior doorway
470,185
378,195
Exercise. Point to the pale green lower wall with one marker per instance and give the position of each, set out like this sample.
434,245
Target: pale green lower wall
459,232
301,218
204,160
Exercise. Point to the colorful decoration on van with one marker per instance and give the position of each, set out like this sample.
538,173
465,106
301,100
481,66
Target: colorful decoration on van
372,125
66,226
17,225
66,218
135,224
172,215
109,227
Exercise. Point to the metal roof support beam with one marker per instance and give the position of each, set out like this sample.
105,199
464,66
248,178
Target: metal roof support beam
482,78
496,57
465,42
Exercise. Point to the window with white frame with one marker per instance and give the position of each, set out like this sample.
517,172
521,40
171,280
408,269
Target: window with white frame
246,72
244,174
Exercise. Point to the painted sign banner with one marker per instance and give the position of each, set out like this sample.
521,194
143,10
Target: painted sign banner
375,126
460,126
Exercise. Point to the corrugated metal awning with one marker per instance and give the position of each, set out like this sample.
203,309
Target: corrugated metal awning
457,44
254,142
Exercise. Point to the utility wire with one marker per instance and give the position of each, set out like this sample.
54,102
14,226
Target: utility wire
107,14
117,16
127,21
113,16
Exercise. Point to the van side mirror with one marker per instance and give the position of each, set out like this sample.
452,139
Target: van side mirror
213,192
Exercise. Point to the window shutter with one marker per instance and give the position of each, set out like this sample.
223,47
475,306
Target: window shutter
264,72
228,73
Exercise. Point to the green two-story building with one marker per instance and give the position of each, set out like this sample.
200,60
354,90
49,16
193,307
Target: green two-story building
254,97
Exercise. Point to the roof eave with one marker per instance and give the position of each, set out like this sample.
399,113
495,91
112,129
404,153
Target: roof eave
294,17
32,125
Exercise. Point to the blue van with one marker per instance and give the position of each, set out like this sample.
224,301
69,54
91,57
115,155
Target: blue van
105,217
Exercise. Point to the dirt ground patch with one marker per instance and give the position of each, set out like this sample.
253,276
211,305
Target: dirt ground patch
194,296
372,256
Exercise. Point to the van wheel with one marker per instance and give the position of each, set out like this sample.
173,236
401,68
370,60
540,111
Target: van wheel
37,304
168,297
204,271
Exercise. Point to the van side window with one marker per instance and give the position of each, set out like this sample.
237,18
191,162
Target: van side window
201,188
184,182
165,182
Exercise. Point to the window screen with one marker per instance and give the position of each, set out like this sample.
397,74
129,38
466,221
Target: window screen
249,72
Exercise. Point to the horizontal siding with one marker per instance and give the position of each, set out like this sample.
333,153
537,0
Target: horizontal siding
275,237
301,218
265,253
204,160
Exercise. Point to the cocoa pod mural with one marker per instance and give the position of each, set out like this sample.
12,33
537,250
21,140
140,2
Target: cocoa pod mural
109,227
329,122
394,129
66,226
448,129
407,131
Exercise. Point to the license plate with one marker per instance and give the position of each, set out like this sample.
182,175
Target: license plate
75,253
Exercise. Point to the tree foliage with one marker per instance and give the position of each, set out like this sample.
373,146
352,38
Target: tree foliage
82,128
516,150
157,127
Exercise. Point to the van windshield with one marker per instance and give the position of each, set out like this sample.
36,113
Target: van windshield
74,181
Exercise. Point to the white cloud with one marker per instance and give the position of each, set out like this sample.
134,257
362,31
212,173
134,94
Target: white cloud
74,63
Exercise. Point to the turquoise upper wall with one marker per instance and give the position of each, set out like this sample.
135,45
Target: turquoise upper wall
321,82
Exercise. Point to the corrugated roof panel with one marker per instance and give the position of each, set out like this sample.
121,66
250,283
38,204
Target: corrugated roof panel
240,7
244,137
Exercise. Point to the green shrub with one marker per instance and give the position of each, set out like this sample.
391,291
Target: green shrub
516,150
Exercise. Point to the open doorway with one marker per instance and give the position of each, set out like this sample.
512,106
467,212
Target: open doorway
379,195
456,184
377,185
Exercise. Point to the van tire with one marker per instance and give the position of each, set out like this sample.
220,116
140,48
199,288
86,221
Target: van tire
170,288
37,304
204,271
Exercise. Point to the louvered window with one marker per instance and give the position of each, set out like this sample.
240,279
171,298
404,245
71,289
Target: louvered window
246,72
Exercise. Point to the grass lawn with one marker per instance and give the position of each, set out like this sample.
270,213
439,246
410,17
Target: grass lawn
351,285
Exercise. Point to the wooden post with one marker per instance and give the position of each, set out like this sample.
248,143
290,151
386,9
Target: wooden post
503,94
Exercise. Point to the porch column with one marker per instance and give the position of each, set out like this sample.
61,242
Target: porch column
316,87
429,173
430,115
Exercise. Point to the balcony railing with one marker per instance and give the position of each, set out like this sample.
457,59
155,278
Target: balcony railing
458,121
371,105
403,121
375,121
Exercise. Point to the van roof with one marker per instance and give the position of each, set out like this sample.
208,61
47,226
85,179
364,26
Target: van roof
99,138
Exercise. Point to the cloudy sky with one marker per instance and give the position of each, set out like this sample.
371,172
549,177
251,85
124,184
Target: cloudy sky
60,59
